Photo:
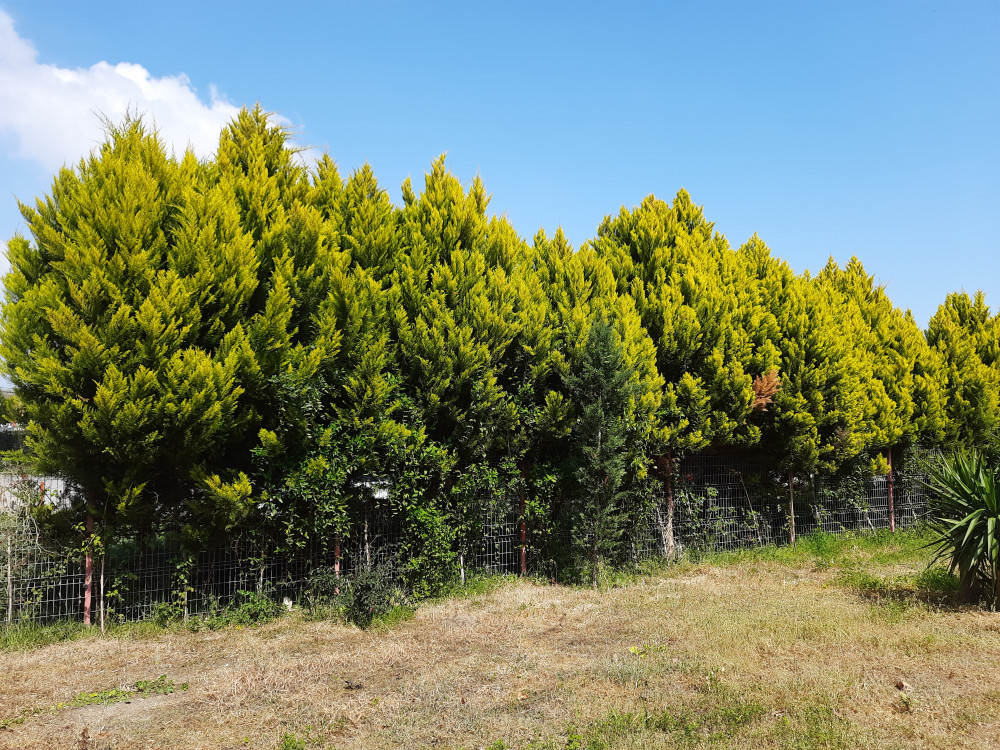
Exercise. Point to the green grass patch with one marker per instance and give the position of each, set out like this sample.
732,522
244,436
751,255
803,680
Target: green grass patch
876,548
813,727
24,636
27,636
395,616
707,724
476,584
933,586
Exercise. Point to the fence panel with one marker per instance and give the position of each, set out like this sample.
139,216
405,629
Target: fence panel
721,502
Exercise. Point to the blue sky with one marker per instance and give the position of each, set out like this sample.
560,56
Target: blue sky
829,128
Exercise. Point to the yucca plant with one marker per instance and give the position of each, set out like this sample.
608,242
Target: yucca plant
964,515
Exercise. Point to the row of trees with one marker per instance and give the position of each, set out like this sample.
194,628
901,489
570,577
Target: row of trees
245,343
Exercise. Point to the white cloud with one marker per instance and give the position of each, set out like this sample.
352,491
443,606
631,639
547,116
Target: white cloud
54,113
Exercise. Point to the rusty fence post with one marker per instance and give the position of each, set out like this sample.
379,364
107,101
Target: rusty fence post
88,573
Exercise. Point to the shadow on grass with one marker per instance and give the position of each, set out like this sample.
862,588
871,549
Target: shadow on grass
932,587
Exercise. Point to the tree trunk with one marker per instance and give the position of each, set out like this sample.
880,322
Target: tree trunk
593,558
368,547
664,469
966,585
661,527
336,562
523,511
596,528
791,508
892,505
461,566
102,595
671,544
88,572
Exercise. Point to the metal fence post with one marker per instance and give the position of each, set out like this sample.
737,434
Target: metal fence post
10,577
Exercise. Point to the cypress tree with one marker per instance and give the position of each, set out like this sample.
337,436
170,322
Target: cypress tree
967,338
120,333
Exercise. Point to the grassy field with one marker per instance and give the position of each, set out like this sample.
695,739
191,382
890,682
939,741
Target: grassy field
844,642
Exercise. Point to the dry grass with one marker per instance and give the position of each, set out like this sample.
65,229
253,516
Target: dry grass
751,652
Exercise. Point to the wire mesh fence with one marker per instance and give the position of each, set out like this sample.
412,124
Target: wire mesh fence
731,501
720,502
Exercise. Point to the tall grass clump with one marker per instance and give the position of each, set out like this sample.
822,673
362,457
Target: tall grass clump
964,517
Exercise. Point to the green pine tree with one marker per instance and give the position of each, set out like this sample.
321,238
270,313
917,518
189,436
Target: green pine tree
602,444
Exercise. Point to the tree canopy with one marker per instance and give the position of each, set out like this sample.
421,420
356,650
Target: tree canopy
248,342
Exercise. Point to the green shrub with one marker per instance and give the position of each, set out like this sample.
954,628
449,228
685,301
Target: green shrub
166,613
964,516
251,608
373,593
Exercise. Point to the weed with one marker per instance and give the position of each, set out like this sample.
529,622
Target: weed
290,742
160,686
247,608
28,636
824,550
252,608
14,721
167,613
101,697
862,582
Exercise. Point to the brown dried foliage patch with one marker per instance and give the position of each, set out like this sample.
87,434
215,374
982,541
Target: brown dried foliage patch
765,388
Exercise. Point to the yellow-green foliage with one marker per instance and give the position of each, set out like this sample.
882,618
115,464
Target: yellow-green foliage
967,338
232,344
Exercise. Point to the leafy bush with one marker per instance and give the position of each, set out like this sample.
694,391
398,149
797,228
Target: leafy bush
371,595
964,516
251,608
166,613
